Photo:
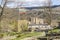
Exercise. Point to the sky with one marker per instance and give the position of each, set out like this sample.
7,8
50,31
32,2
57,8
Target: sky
32,3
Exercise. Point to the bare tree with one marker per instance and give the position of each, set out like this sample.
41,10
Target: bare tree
4,4
48,12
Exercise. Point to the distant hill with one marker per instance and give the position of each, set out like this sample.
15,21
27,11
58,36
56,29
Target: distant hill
41,7
0,8
55,12
13,13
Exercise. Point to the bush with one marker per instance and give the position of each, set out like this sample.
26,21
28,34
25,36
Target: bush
12,33
3,34
54,31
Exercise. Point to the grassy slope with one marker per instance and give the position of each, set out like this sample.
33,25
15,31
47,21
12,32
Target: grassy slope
25,35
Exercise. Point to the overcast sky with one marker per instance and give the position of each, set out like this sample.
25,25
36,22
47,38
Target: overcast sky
31,3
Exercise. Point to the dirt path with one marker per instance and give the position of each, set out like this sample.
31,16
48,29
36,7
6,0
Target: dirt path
8,37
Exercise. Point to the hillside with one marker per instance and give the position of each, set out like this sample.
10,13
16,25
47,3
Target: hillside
9,19
11,16
43,12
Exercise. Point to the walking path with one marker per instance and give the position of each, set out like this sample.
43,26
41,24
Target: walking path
8,37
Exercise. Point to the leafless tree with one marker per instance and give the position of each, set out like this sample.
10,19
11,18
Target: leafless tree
4,2
48,12
4,10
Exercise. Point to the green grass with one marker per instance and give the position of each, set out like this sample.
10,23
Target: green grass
25,35
55,31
